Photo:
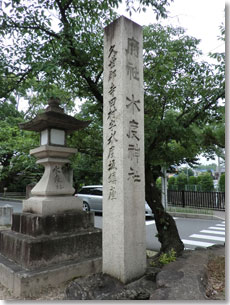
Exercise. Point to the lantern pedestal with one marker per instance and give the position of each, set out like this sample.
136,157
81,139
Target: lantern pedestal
52,205
53,193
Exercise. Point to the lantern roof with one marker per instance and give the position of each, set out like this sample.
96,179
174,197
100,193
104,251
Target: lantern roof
54,117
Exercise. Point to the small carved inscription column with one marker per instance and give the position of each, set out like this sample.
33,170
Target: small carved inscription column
124,249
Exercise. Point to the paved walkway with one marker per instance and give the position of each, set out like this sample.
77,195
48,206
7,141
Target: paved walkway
220,214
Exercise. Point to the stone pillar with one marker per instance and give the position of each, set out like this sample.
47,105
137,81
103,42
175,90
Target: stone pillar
6,215
124,239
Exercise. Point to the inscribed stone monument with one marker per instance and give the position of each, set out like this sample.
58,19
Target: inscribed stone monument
124,248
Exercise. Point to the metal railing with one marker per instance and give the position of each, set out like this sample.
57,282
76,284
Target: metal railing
200,200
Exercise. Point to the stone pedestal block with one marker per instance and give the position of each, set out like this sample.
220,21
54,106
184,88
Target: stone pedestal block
52,205
30,252
58,238
39,247
23,282
37,225
57,179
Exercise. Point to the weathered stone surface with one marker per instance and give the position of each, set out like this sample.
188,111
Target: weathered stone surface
48,205
164,278
124,237
54,181
104,287
40,251
36,224
6,215
24,282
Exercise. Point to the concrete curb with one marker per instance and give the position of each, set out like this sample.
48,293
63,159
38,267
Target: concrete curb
11,199
198,216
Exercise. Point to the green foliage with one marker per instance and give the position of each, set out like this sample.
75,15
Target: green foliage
222,183
192,180
187,171
174,80
181,181
206,182
166,258
189,210
86,171
171,181
87,165
66,60
59,43
17,167
158,183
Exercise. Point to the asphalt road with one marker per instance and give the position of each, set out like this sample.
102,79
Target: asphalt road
17,206
193,232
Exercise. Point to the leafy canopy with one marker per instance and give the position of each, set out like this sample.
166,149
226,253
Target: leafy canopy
59,42
181,97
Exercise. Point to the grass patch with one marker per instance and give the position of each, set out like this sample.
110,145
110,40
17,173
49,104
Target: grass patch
189,210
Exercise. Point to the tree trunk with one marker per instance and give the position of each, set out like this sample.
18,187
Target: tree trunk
167,230
5,177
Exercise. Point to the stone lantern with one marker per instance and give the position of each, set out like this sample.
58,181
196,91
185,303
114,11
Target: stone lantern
53,240
53,193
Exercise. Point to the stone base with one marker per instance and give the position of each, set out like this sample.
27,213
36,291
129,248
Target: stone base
47,250
30,252
37,225
36,241
29,283
52,204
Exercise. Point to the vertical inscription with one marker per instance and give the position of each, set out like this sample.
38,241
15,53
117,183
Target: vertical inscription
111,118
132,53
58,177
132,108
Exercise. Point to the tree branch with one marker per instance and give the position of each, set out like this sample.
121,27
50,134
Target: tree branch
19,26
200,112
91,84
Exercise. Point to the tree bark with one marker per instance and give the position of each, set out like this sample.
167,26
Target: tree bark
168,234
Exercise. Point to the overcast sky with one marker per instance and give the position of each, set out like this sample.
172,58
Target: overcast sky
201,19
